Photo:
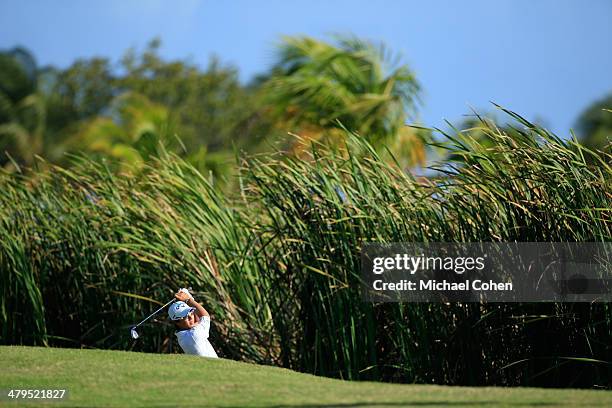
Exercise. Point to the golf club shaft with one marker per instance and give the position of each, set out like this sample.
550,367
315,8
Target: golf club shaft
157,311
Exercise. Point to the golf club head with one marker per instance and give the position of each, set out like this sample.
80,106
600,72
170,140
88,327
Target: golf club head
134,333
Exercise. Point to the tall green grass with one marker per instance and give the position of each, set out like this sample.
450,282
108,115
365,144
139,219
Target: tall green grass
86,252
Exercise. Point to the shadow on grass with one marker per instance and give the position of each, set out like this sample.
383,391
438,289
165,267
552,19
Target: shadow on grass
400,404
419,404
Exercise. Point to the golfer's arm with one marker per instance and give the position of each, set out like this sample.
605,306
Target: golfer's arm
200,309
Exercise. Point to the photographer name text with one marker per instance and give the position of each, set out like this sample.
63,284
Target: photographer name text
443,285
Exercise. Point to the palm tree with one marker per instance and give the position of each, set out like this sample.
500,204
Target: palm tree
316,86
22,109
132,130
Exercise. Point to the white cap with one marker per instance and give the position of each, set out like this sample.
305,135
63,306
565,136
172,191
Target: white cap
179,310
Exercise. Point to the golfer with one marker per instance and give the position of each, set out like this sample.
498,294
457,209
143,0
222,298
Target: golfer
192,323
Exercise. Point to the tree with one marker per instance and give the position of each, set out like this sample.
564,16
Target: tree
82,91
316,86
41,108
97,110
22,109
131,131
594,125
207,106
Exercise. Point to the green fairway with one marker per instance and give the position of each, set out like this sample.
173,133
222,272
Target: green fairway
116,378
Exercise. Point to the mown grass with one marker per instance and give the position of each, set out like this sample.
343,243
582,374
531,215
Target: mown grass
84,253
97,378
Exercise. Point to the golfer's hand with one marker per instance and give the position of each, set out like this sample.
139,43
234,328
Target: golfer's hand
183,294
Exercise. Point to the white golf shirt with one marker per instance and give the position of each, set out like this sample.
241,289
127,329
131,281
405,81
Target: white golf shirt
195,340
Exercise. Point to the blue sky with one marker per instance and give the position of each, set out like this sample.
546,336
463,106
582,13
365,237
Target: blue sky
545,59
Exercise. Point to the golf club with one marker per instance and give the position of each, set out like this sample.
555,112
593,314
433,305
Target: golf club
133,331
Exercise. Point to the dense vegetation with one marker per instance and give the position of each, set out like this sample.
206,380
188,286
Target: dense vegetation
121,111
85,252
